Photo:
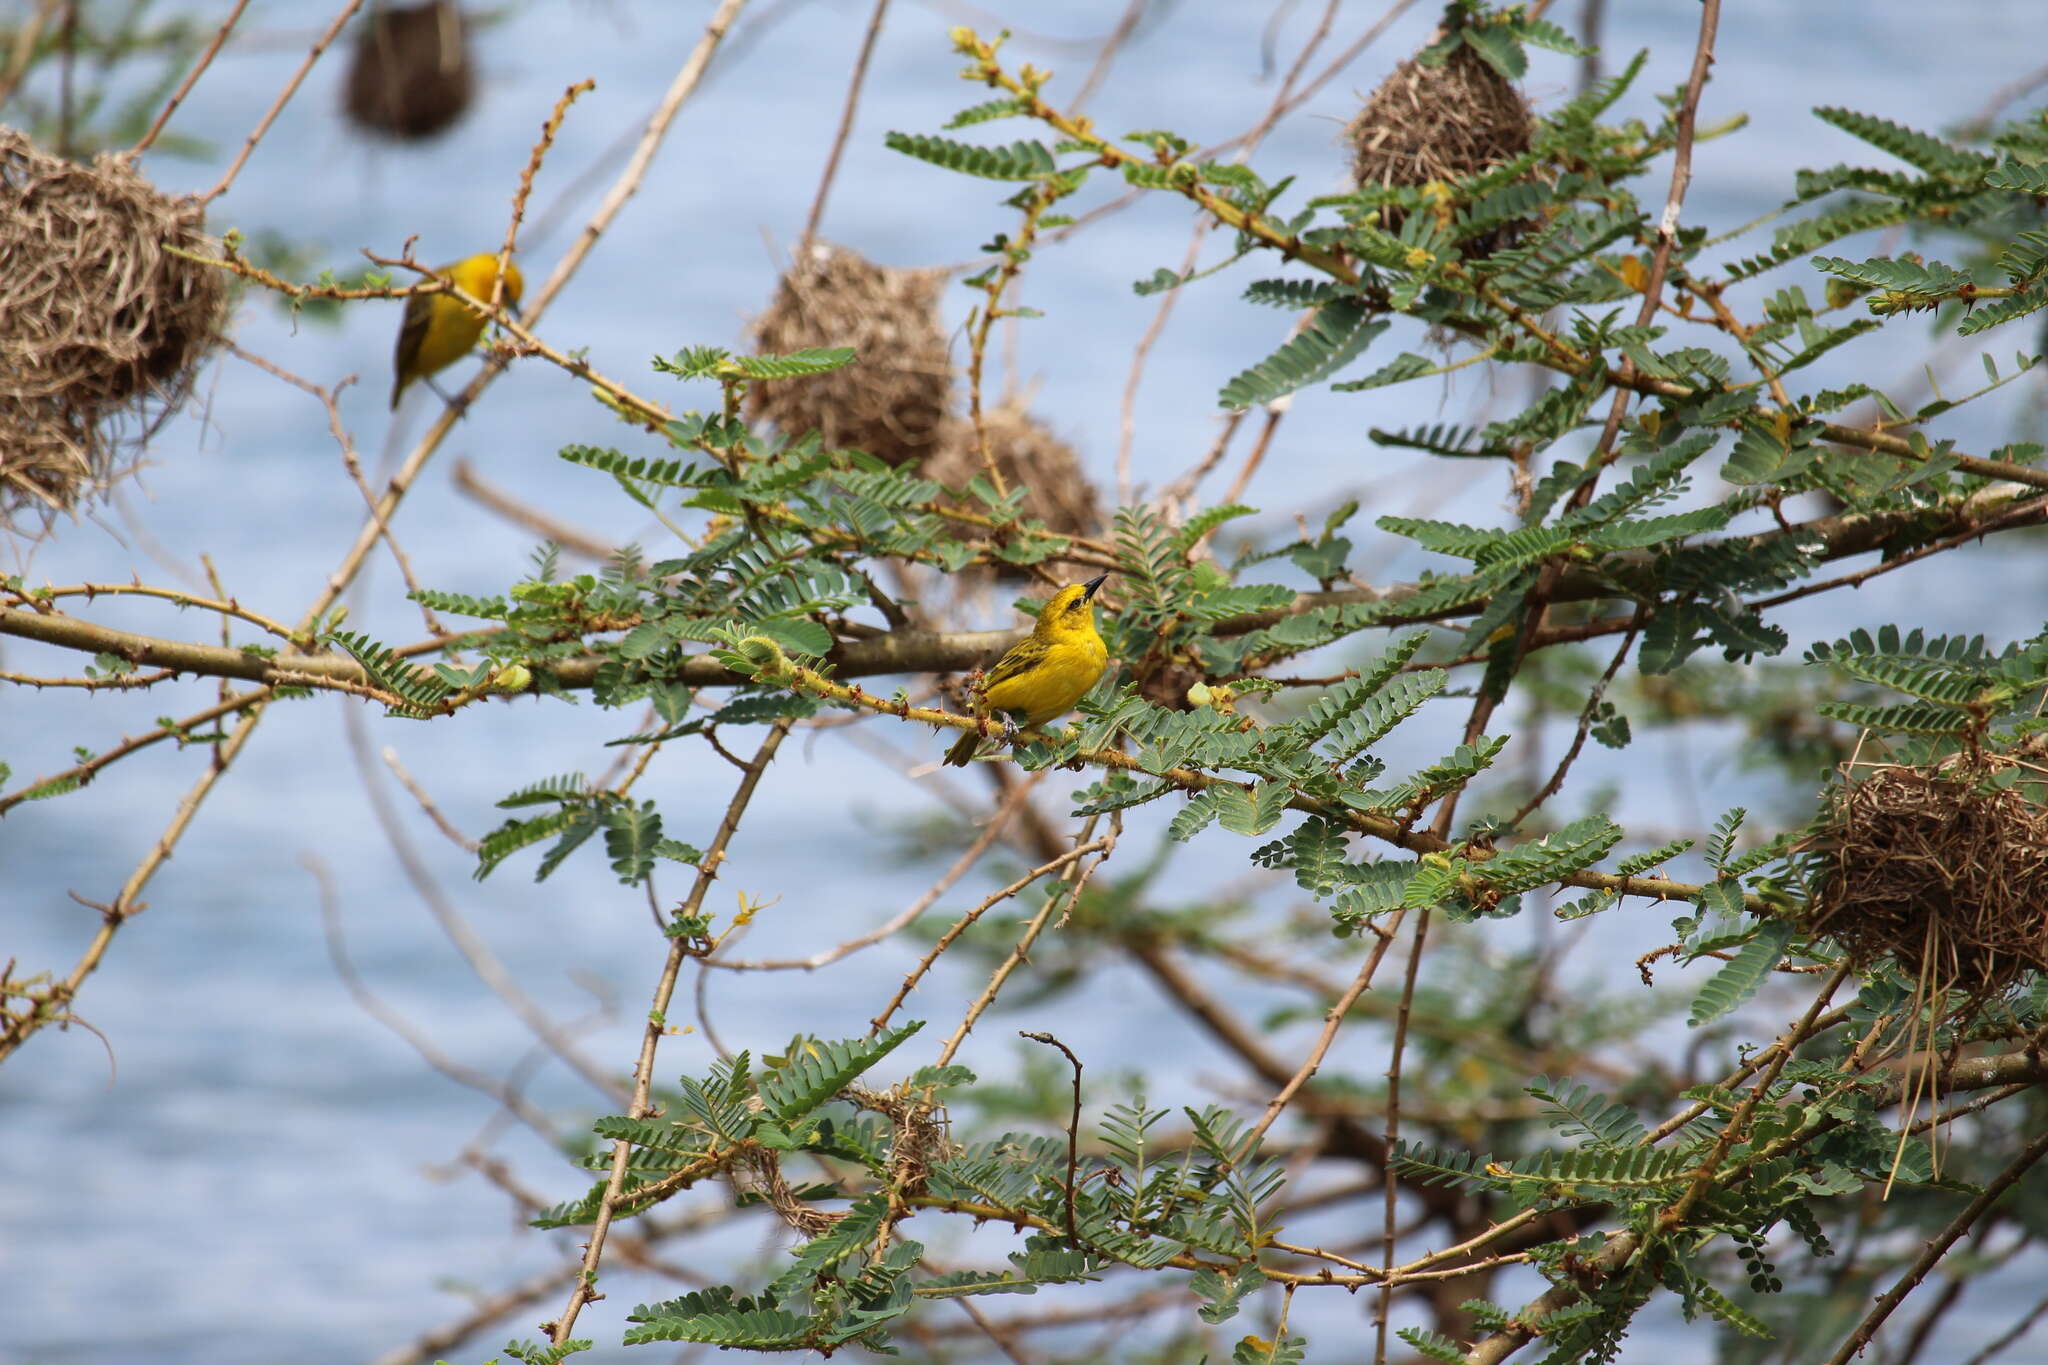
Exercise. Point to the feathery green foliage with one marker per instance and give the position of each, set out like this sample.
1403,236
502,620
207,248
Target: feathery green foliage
1665,472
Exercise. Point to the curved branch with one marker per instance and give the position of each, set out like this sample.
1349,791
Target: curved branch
916,651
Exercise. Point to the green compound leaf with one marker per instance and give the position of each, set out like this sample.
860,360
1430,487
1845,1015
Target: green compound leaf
817,1071
1342,329
1744,974
795,365
1022,160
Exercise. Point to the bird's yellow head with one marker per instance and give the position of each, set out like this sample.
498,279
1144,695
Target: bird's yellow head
1069,613
478,277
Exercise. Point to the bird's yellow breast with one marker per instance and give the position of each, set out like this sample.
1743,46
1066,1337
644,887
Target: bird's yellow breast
1058,674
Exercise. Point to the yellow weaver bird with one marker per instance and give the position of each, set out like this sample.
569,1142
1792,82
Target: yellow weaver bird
1044,674
439,329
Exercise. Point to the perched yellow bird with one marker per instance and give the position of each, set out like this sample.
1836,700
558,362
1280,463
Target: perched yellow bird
440,329
1044,674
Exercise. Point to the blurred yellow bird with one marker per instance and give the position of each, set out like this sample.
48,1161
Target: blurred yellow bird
439,329
1044,674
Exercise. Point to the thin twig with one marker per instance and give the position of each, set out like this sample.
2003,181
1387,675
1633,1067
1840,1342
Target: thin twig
426,802
351,463
1667,231
881,1021
25,40
284,96
550,128
177,98
1937,1246
994,1331
1107,53
1392,1133
1073,1128
1585,726
127,902
1063,898
635,172
2012,1334
1126,489
430,1052
1127,406
846,113
1333,1019
679,948
488,967
180,730
474,486
178,597
992,831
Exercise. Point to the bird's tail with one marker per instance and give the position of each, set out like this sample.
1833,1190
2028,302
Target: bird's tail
962,753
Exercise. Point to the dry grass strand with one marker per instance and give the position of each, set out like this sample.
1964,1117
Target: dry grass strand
1938,872
105,328
892,401
1439,123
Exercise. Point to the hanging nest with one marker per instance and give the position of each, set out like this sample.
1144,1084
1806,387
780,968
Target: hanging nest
1939,871
1059,495
892,401
104,329
1428,124
411,76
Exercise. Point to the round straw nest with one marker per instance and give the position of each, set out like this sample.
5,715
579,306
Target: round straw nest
892,401
1028,455
104,328
411,76
1939,871
1439,123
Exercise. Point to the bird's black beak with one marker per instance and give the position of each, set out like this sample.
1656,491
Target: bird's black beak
1091,585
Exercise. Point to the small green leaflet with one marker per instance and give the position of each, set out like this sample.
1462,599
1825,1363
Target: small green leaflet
1342,329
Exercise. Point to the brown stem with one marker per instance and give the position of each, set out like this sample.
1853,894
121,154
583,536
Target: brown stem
1392,1135
657,1027
1073,1127
127,904
177,98
1938,1246
853,88
284,97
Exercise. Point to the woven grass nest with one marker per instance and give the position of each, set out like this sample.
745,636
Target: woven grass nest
1938,871
892,401
411,76
1028,454
1439,123
104,328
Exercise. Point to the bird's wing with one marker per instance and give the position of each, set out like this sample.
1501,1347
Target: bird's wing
412,336
1022,657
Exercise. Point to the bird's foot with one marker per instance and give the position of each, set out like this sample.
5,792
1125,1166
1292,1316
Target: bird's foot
1009,731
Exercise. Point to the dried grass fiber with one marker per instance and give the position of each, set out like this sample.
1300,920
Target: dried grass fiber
104,327
892,401
1937,873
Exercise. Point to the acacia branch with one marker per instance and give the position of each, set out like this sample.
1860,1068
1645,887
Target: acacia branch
679,948
913,651
1976,1073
